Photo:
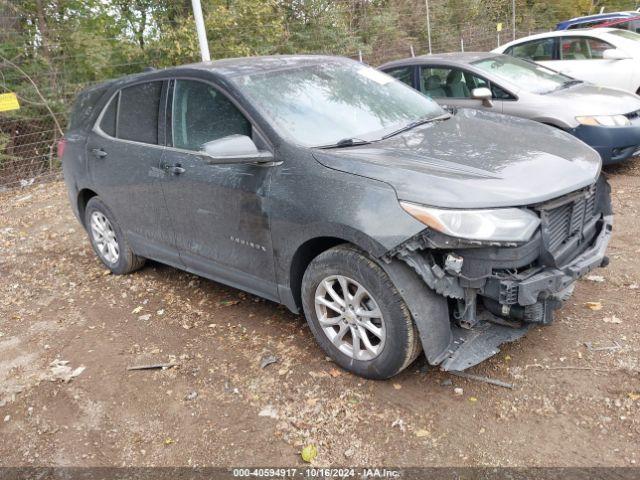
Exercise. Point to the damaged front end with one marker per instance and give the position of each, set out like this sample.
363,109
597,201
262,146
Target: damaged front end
485,293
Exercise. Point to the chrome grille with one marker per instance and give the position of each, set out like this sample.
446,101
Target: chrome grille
562,222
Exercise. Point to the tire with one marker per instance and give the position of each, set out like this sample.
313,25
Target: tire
98,218
395,345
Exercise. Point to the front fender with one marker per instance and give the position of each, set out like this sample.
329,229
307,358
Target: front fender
429,310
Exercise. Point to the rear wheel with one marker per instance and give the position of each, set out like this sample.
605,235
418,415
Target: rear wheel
108,240
357,315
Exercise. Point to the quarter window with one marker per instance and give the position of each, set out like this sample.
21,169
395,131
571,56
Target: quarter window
582,48
108,123
138,112
202,114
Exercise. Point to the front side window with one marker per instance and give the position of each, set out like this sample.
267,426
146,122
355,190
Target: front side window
536,50
526,75
404,74
582,48
138,113
321,104
202,114
449,82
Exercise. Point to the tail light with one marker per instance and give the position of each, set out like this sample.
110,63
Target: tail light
62,143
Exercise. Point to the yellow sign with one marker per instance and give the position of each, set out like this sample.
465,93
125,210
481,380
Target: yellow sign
8,101
499,27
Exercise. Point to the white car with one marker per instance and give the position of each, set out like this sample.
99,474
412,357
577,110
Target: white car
605,56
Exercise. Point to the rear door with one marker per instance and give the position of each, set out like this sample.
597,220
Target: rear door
124,152
219,212
452,87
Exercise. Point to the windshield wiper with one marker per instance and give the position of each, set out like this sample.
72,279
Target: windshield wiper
347,142
415,123
567,84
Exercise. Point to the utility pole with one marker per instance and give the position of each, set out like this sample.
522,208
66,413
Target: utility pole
426,4
513,18
202,33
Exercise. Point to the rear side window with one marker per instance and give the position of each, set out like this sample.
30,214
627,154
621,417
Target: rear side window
202,114
138,112
108,123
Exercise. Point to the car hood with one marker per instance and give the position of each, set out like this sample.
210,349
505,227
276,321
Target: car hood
589,99
474,159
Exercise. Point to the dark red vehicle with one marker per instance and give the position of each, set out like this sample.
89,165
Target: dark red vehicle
632,24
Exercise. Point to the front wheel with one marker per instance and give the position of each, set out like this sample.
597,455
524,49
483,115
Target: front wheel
357,315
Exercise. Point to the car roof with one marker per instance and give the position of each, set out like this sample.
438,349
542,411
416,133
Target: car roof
445,58
600,16
230,67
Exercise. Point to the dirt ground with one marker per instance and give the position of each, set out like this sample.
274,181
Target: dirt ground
571,405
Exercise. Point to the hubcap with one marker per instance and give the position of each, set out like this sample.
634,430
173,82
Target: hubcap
104,237
350,317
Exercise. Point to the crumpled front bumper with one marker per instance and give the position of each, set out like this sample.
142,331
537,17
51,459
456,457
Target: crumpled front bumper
482,295
469,347
552,281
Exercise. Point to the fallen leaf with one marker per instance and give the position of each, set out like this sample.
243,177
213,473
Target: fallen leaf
137,310
611,319
227,303
168,441
633,396
473,399
422,433
268,411
595,306
397,386
334,372
309,453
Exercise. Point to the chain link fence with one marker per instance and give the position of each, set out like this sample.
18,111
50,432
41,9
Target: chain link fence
47,55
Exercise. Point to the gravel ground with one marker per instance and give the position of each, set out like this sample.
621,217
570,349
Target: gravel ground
571,405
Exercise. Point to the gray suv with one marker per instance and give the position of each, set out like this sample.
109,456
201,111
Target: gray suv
330,187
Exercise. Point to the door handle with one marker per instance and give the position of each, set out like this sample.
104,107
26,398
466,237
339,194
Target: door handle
176,169
98,153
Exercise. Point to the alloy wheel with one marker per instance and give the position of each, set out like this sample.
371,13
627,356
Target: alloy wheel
350,317
105,237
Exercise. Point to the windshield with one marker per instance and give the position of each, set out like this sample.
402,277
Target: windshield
626,34
526,75
322,104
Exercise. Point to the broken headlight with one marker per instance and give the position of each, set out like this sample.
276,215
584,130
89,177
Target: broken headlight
500,224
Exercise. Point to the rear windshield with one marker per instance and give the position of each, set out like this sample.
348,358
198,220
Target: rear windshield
528,76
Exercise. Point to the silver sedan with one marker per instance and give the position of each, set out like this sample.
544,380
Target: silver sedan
606,119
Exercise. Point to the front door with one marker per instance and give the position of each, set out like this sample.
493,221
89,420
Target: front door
582,58
219,212
124,153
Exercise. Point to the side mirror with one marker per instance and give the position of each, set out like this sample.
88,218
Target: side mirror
615,54
234,149
484,94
